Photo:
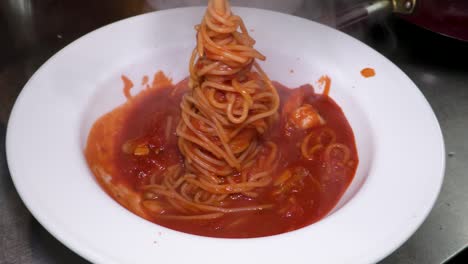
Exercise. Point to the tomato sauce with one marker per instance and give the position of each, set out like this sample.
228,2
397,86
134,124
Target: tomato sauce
302,192
368,72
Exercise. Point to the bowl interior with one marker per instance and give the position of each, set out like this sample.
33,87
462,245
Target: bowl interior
286,68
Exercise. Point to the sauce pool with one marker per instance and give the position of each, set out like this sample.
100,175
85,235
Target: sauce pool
317,184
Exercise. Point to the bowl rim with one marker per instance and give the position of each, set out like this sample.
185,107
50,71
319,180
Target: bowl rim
66,237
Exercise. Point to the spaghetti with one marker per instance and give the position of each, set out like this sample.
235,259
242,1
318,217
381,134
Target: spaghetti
231,103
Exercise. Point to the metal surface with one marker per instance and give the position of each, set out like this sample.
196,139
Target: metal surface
362,12
436,64
403,6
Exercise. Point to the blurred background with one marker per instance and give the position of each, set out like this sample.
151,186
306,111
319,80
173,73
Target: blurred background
426,39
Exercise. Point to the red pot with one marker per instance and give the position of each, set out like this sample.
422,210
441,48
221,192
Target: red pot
447,17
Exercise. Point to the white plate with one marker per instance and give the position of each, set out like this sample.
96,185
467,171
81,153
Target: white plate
399,142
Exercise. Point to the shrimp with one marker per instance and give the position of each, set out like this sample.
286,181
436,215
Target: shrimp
298,115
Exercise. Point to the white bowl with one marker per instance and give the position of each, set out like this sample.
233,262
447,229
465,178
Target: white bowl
398,138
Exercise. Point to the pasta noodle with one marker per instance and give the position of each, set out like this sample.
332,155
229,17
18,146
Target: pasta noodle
231,103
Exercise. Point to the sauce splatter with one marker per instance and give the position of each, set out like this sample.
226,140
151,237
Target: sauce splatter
145,80
325,81
160,80
128,84
368,72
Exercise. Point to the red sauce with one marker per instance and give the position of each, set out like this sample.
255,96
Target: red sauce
317,187
145,80
128,84
325,81
160,80
368,72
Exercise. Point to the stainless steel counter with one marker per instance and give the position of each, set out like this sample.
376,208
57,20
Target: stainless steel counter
35,30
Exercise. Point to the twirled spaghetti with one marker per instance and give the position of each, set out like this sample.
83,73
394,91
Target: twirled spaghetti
231,103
